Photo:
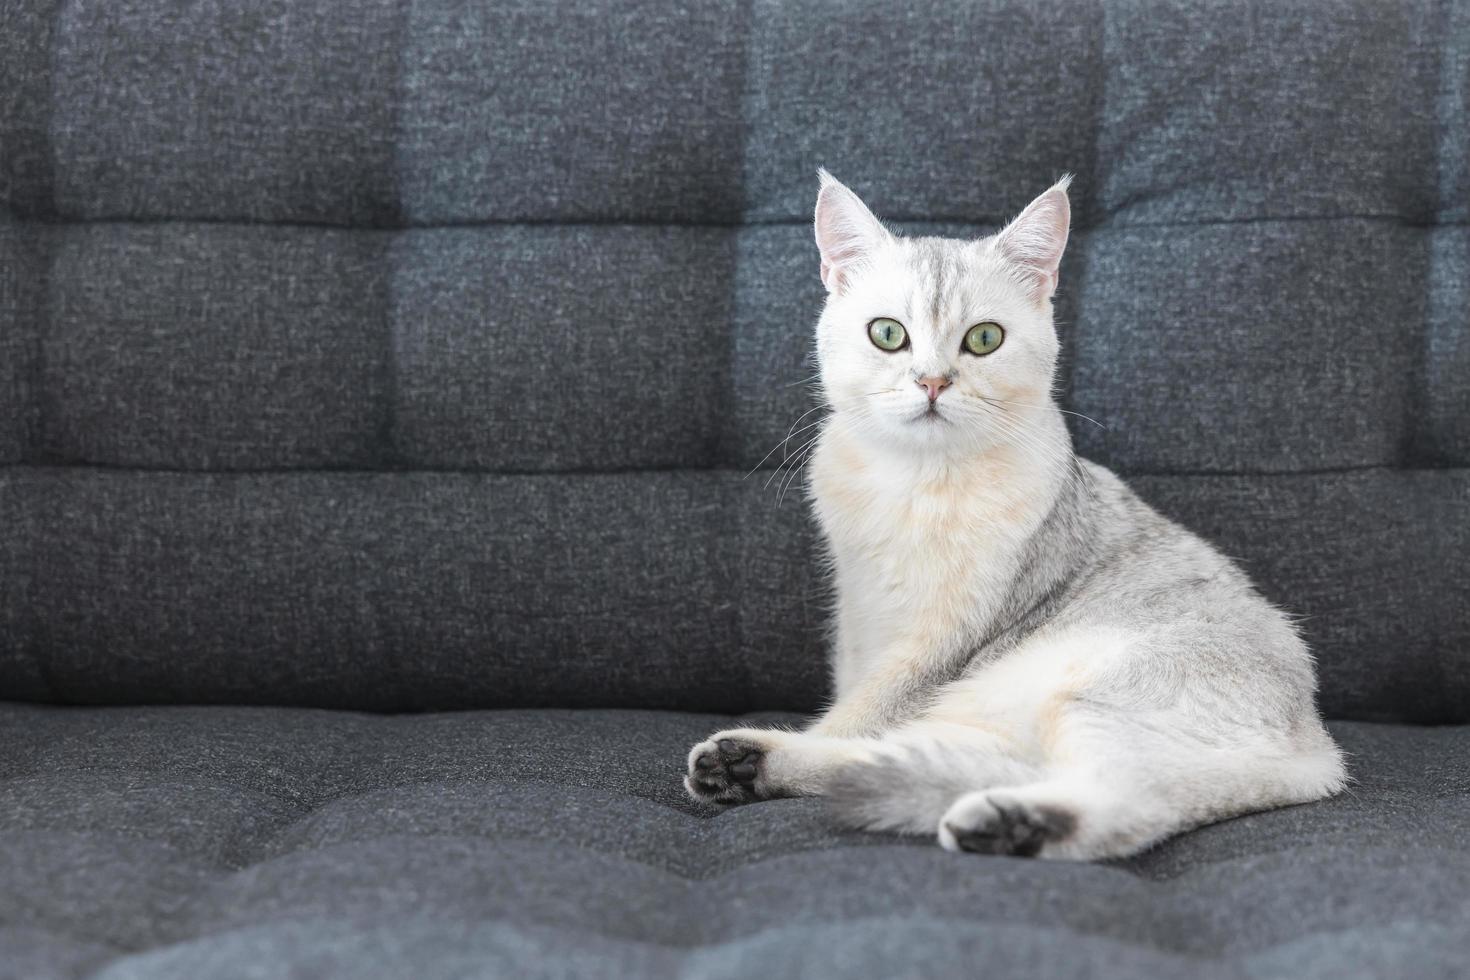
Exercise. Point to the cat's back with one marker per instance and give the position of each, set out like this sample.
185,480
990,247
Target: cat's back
1147,566
1161,580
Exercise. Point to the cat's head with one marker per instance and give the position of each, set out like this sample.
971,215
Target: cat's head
937,343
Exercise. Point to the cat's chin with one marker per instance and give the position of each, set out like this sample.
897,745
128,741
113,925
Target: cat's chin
924,433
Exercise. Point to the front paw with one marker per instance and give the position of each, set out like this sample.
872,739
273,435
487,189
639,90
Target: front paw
725,769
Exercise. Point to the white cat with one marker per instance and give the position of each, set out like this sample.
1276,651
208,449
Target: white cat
1027,658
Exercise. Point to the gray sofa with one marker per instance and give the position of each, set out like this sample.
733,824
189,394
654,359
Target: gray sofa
378,384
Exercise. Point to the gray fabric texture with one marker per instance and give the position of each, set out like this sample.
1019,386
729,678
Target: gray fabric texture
676,589
402,356
391,355
233,842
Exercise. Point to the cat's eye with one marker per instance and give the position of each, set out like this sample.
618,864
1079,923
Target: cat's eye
983,338
888,334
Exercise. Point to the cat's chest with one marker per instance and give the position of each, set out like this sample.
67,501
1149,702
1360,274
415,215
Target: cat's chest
933,547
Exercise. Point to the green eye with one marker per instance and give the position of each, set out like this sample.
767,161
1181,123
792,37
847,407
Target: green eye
887,334
983,338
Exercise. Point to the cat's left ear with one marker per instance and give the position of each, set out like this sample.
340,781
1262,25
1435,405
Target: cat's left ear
1034,242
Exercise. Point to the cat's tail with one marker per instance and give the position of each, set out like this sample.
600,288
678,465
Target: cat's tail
907,788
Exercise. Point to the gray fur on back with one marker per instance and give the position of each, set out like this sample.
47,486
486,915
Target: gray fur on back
1103,557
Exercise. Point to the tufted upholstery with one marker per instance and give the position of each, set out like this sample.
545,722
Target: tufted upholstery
267,265
235,842
412,356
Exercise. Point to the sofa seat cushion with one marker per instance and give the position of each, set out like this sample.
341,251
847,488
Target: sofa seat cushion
232,842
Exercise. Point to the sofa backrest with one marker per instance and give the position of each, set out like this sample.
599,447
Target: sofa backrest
396,356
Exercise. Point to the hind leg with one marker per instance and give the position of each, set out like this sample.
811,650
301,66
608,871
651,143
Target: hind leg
1053,818
1126,759
910,779
1082,815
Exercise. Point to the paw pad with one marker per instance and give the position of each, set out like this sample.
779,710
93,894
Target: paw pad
724,771
999,826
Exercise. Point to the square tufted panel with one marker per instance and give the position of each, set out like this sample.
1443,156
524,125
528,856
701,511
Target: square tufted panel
224,842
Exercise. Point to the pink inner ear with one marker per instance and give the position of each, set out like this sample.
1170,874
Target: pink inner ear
837,239
1036,240
845,229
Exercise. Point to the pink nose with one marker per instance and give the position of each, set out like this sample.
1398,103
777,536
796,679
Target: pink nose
933,385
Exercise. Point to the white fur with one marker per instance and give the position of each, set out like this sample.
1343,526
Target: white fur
1109,731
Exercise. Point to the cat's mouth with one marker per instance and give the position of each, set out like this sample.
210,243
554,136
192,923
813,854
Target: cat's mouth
929,415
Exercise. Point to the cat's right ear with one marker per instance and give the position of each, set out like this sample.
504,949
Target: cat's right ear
847,232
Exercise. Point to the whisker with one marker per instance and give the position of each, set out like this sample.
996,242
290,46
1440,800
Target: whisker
1040,446
790,457
786,439
797,463
815,408
794,474
1064,411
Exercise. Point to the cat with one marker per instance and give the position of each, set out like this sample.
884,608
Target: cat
1027,659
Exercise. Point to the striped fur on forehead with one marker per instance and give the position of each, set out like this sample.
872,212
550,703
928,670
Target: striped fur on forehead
939,270
952,284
